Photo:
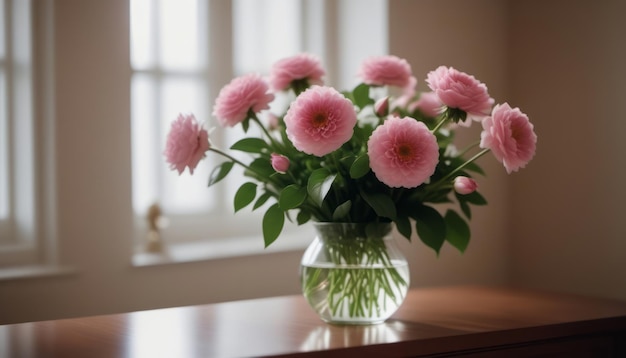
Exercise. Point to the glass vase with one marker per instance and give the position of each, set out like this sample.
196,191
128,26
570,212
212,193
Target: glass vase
354,273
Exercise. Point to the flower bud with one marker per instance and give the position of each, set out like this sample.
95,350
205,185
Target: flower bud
381,107
464,185
280,163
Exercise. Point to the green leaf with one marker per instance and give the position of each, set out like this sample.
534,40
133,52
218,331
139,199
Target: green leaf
245,124
362,95
244,195
220,172
382,204
250,145
458,232
273,222
475,168
261,200
360,167
261,167
291,197
473,197
320,182
431,227
465,208
303,217
342,210
403,224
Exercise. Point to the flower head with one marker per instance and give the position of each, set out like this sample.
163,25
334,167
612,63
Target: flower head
428,103
381,106
510,136
187,143
387,71
458,90
403,152
280,163
242,94
320,120
464,185
295,68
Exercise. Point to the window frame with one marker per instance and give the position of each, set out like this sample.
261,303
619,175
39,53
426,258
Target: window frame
28,234
217,226
18,240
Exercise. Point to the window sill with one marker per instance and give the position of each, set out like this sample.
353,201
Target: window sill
193,251
34,271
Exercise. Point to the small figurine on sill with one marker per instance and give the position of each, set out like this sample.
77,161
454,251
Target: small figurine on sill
155,222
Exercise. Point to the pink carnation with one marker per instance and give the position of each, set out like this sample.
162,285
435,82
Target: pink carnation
280,163
187,142
387,70
464,185
403,152
510,136
320,120
428,103
461,91
242,94
299,67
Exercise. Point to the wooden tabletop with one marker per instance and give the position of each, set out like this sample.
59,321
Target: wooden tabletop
431,321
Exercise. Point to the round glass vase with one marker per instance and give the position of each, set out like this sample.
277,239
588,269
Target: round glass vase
354,273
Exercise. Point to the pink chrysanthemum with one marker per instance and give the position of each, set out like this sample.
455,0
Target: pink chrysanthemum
299,67
461,91
187,143
320,120
387,71
510,136
242,94
403,152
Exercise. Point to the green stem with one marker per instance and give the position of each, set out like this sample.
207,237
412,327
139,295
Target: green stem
468,148
275,143
443,120
243,165
459,168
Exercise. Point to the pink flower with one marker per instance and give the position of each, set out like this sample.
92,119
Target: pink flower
299,67
428,103
241,95
403,152
320,120
381,107
464,185
459,90
280,163
387,70
510,136
187,142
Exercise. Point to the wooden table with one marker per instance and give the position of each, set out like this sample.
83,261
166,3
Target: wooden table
475,321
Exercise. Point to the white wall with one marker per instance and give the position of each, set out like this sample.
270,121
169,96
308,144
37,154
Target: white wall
567,70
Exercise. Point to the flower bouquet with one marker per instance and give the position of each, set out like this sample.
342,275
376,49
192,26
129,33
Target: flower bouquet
381,154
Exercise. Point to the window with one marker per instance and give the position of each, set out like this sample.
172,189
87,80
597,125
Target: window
182,53
17,145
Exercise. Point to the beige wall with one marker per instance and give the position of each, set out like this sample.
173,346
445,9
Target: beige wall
554,225
568,221
470,36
